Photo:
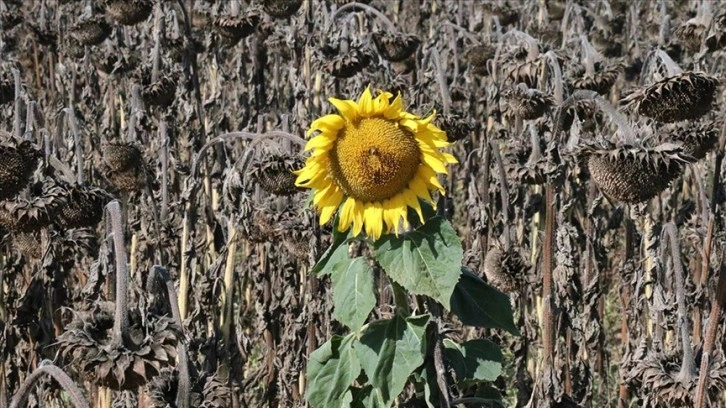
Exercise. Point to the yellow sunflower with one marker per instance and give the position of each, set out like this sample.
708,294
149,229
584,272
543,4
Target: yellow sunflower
376,160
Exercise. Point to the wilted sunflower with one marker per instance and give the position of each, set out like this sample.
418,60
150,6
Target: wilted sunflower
376,160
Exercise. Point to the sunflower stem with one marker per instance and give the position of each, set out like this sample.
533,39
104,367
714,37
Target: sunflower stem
163,135
352,5
160,274
17,122
688,366
46,367
255,137
554,67
121,318
717,305
156,53
441,79
504,192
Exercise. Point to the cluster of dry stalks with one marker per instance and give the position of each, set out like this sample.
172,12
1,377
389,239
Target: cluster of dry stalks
590,136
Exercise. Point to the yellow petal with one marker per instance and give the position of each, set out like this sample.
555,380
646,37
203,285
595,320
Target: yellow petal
319,142
373,215
346,107
434,163
327,124
365,103
394,109
346,214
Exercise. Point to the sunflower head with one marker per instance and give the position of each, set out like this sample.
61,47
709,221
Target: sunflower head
373,160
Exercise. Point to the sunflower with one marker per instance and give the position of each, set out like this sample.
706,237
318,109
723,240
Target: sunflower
376,160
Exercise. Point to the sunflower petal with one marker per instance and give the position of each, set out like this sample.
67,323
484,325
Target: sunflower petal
347,108
365,103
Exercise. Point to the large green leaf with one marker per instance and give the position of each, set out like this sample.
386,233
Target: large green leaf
426,261
389,351
353,293
478,304
337,249
479,359
332,368
365,398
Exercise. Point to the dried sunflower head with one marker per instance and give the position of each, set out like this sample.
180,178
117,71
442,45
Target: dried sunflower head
395,47
281,8
601,81
527,73
633,174
274,173
698,140
207,391
91,31
527,103
159,93
686,96
124,166
129,12
504,269
232,29
17,164
28,244
147,347
346,65
84,207
657,377
35,213
456,125
690,34
478,56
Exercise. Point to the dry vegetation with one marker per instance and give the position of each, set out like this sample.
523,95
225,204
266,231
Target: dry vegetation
155,252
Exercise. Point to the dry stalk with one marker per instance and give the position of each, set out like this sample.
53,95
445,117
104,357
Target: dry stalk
46,367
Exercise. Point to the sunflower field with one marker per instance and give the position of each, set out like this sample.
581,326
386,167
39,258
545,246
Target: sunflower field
370,204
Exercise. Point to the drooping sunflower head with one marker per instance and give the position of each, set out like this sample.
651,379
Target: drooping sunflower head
373,160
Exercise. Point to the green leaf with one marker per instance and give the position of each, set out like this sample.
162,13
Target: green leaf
389,351
353,293
478,304
479,359
426,261
337,249
332,368
365,398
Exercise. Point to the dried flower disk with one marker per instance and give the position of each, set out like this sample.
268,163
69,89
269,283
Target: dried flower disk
17,164
686,96
129,12
395,47
635,174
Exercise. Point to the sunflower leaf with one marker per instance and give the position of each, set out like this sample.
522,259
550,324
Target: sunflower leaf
478,360
476,303
353,293
332,368
336,252
389,351
426,261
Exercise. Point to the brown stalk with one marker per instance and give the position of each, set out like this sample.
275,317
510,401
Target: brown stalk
17,122
20,399
121,318
504,190
717,306
688,366
160,274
